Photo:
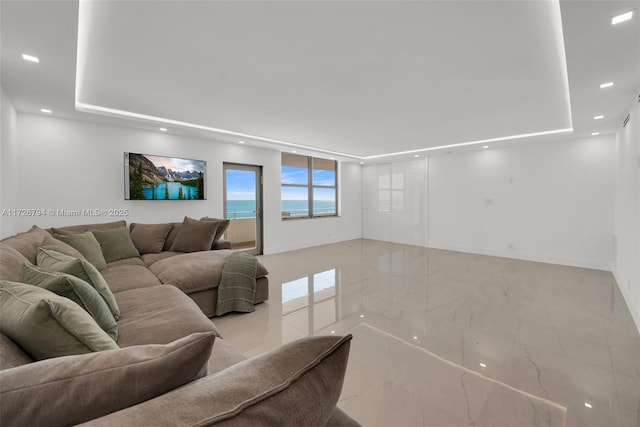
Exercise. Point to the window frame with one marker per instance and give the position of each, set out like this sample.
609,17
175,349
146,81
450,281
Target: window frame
310,186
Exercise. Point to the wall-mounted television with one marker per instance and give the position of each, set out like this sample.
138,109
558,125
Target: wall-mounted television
152,177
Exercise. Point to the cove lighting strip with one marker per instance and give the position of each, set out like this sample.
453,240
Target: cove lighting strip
481,141
84,17
113,112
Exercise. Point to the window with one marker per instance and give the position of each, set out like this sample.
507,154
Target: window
309,186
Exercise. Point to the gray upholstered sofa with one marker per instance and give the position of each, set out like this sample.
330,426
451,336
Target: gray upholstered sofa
196,273
168,366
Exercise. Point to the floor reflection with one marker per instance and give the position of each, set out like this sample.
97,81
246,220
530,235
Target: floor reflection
478,330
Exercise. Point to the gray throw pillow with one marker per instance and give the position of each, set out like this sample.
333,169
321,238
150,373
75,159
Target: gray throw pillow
87,245
149,238
75,389
116,244
46,325
77,290
195,236
83,269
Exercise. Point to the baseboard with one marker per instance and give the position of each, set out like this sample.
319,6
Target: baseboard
633,307
596,265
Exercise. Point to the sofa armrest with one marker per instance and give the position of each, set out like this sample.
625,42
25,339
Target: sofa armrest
297,384
222,244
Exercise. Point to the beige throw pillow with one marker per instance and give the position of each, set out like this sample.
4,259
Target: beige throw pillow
149,238
195,236
223,224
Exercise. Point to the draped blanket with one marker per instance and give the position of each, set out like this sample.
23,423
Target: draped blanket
238,284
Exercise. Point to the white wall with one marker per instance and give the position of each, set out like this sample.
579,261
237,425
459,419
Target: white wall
67,164
626,266
548,201
8,143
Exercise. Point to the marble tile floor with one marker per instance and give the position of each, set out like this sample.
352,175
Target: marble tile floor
444,338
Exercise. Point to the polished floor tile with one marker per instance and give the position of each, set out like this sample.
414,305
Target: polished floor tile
445,338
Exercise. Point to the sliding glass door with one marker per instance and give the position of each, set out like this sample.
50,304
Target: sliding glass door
243,206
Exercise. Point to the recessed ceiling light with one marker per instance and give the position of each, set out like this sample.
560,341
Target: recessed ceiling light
30,58
485,146
416,155
588,405
46,110
606,85
163,129
415,338
483,365
622,17
362,163
293,151
598,117
595,133
240,142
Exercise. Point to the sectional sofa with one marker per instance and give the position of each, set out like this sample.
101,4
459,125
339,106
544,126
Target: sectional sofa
162,362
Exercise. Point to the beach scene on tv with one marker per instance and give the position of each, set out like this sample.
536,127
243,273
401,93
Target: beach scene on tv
165,178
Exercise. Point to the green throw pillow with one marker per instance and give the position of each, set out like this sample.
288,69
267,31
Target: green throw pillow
87,245
46,325
83,269
116,244
77,290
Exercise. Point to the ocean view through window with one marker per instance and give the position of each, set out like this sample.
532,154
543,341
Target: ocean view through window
309,187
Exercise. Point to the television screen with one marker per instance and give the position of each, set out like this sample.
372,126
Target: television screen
150,177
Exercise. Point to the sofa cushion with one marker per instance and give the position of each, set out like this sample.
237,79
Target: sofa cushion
93,385
77,290
127,261
192,272
74,229
297,384
47,325
87,245
158,315
27,243
116,244
223,224
55,261
11,355
11,263
196,271
195,236
149,259
124,277
222,244
149,238
223,356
